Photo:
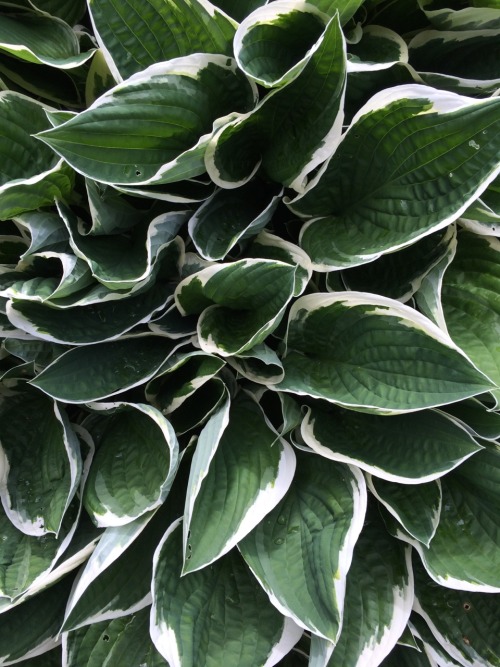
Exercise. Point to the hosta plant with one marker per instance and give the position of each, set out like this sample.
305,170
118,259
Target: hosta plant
250,317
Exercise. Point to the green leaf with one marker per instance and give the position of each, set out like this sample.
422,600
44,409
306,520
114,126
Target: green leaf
471,301
416,507
403,184
294,128
239,9
259,364
240,472
465,61
94,372
464,553
32,628
379,597
308,539
240,303
465,624
121,262
479,16
26,561
346,8
229,216
44,40
180,377
399,275
428,296
138,450
407,449
186,96
41,462
46,229
379,48
121,641
482,422
218,615
371,353
272,44
133,36
94,323
70,11
401,656
32,176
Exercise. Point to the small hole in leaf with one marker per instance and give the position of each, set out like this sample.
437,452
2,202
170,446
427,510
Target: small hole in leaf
137,172
467,606
105,638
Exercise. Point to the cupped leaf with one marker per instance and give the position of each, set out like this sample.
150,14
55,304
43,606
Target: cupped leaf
294,128
240,472
308,539
170,29
44,40
41,462
464,553
272,44
216,615
482,422
471,301
466,625
378,48
32,175
379,598
240,303
120,262
416,507
406,449
371,353
259,364
94,372
185,96
32,628
231,215
119,641
138,450
403,184
46,230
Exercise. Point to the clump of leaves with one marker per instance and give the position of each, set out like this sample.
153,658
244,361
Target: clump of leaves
250,307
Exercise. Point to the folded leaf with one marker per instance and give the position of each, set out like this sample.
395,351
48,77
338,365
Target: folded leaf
238,475
240,303
471,301
308,539
216,615
370,353
379,597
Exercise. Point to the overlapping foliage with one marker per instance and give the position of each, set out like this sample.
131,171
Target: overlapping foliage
250,313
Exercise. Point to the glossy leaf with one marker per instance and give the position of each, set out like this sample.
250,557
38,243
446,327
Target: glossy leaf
367,352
